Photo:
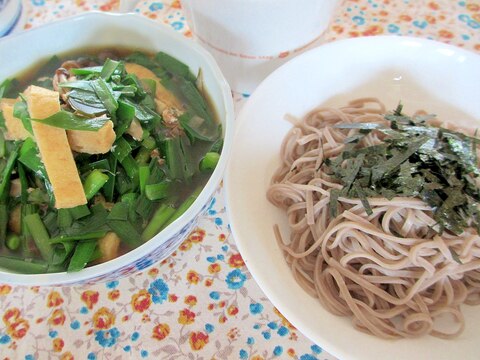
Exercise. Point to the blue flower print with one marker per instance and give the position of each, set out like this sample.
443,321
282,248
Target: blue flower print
282,331
215,295
107,338
243,354
4,339
209,328
156,6
112,284
235,279
159,291
308,357
177,25
392,28
278,350
272,325
256,308
75,325
358,20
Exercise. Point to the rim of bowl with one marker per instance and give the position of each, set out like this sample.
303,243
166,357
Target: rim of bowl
50,279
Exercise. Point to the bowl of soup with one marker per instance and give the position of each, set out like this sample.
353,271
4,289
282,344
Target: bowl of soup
113,138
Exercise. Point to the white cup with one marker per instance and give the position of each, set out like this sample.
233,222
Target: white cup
250,38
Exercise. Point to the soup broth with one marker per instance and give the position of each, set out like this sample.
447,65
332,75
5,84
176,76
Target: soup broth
143,139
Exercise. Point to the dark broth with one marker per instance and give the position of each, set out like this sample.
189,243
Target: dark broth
41,74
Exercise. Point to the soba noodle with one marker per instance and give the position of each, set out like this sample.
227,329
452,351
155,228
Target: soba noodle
388,271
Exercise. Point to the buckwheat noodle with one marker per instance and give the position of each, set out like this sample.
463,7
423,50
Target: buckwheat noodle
389,271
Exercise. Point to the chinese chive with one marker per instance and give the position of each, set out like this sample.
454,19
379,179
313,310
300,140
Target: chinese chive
121,148
94,182
108,68
184,206
157,191
143,175
23,266
84,236
69,121
159,219
3,222
130,166
64,218
79,212
40,235
105,95
7,171
82,254
126,232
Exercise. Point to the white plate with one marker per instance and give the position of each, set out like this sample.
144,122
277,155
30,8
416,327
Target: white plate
423,74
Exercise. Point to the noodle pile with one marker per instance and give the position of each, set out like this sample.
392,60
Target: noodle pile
388,271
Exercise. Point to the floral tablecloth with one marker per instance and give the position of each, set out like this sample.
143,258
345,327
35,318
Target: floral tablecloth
201,303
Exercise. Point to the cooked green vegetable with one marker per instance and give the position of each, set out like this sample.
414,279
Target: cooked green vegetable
40,235
94,182
28,266
157,162
209,161
4,87
7,171
82,255
13,242
157,191
20,111
69,121
434,164
159,219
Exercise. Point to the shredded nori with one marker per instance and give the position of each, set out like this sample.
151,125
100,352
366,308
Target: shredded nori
435,164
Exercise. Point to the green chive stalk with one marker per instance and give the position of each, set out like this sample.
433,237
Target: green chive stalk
94,182
184,206
82,255
159,218
23,266
40,235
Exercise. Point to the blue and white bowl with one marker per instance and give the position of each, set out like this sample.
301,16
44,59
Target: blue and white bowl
96,30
